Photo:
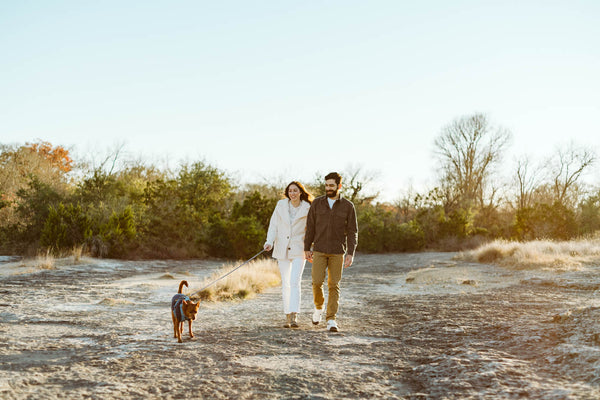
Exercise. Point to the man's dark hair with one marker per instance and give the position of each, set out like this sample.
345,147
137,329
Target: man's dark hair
334,175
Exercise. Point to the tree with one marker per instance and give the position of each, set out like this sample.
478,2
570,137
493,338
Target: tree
203,187
468,149
65,227
34,205
545,221
589,214
19,166
566,168
381,230
119,232
356,183
58,156
407,204
257,206
527,180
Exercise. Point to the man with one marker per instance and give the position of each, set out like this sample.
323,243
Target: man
329,243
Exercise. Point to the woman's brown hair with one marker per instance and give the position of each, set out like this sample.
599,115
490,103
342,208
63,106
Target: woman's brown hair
304,194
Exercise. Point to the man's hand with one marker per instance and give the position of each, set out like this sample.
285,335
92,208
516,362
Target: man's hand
268,247
348,261
308,255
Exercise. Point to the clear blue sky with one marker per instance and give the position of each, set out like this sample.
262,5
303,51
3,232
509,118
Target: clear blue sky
285,89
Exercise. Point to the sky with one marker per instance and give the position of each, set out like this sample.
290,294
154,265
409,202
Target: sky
284,90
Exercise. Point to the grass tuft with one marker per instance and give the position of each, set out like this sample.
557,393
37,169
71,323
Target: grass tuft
77,253
45,261
48,260
538,254
246,282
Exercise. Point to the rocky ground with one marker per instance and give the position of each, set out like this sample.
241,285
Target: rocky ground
413,326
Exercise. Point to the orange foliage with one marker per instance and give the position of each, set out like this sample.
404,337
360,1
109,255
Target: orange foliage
58,156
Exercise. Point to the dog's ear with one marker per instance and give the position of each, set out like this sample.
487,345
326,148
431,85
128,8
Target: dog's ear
185,302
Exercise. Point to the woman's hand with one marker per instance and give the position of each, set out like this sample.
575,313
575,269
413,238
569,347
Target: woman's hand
267,247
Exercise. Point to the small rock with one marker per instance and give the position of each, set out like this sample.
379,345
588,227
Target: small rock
562,317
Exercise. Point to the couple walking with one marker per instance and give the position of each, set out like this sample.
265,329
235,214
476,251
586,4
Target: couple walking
324,232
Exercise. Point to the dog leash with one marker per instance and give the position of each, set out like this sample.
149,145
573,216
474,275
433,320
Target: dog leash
229,273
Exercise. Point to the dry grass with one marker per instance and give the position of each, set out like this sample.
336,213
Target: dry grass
538,254
246,282
77,253
41,261
47,261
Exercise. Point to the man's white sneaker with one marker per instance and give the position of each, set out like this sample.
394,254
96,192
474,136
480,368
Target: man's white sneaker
316,318
332,326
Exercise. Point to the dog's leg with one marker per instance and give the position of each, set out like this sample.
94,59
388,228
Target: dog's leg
180,331
191,334
175,324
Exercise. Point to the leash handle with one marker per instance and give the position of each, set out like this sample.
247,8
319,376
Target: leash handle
230,272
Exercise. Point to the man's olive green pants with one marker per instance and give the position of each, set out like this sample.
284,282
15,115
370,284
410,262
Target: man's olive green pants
333,265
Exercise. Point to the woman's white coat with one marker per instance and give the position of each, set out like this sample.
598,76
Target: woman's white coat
287,237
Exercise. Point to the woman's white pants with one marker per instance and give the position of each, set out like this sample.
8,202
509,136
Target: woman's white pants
291,278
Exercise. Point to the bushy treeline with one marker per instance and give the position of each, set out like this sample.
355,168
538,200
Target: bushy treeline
141,211
197,210
136,212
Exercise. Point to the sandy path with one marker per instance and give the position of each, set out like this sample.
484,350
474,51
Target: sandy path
414,326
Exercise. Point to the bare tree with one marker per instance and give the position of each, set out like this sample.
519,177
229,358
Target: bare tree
406,204
527,180
108,161
112,158
357,184
566,167
469,148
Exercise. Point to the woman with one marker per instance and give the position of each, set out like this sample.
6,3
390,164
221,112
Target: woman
286,238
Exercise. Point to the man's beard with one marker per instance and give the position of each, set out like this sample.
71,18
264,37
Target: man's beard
331,193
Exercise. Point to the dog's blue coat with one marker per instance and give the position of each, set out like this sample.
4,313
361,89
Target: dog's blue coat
177,306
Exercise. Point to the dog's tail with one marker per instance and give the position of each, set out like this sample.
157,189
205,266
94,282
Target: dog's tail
181,285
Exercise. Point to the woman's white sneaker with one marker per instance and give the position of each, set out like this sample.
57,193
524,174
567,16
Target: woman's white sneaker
332,326
316,317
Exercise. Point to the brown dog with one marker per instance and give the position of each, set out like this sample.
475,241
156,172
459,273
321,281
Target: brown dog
183,309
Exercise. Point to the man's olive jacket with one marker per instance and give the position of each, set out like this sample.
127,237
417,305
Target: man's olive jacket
331,230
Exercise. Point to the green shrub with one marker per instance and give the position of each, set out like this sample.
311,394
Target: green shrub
544,221
255,205
380,231
34,205
216,237
588,217
65,227
118,233
246,235
406,237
